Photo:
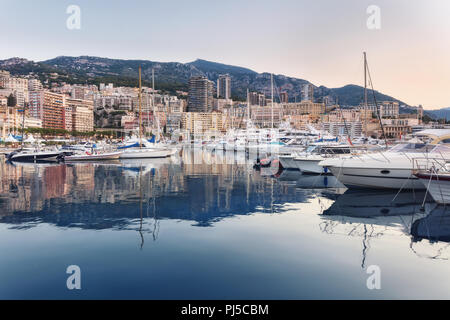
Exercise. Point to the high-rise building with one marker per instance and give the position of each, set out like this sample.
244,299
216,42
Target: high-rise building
82,116
224,86
198,122
78,92
200,94
308,92
262,100
284,97
53,112
34,85
253,98
4,78
16,86
36,101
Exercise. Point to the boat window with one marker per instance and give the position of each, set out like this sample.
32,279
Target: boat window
440,148
311,148
412,147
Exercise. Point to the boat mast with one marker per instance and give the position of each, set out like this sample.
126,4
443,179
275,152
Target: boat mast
140,110
365,93
23,123
271,85
153,105
248,109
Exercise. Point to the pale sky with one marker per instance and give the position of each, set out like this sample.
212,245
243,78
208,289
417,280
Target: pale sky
321,41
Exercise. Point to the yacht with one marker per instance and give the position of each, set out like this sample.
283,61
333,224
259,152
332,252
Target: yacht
34,154
437,180
392,169
95,156
287,161
141,148
308,161
145,149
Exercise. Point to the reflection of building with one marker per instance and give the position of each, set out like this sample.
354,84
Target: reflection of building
82,195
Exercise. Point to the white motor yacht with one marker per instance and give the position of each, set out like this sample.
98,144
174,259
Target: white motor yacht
392,169
436,180
34,154
309,161
144,150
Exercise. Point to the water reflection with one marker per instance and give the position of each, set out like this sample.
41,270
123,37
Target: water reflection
372,214
114,195
221,220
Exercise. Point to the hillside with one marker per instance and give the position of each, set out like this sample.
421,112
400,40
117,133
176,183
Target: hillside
172,76
443,113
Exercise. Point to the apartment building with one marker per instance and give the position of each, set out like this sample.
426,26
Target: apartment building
265,116
53,112
224,86
81,115
201,122
200,95
304,107
387,109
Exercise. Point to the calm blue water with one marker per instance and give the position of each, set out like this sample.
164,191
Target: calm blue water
169,229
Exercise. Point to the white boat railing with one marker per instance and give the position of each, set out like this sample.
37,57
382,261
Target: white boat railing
429,164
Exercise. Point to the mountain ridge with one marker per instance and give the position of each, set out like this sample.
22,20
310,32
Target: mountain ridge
172,76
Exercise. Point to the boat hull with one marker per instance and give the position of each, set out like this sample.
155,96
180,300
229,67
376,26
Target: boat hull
310,166
377,178
35,157
94,157
146,154
288,162
229,147
438,187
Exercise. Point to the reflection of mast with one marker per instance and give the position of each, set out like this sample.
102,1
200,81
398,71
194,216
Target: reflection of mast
140,206
155,218
365,247
365,94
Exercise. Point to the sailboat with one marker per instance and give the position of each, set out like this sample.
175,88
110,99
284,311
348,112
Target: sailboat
143,148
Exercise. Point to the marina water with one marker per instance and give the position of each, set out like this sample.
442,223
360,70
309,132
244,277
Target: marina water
206,225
